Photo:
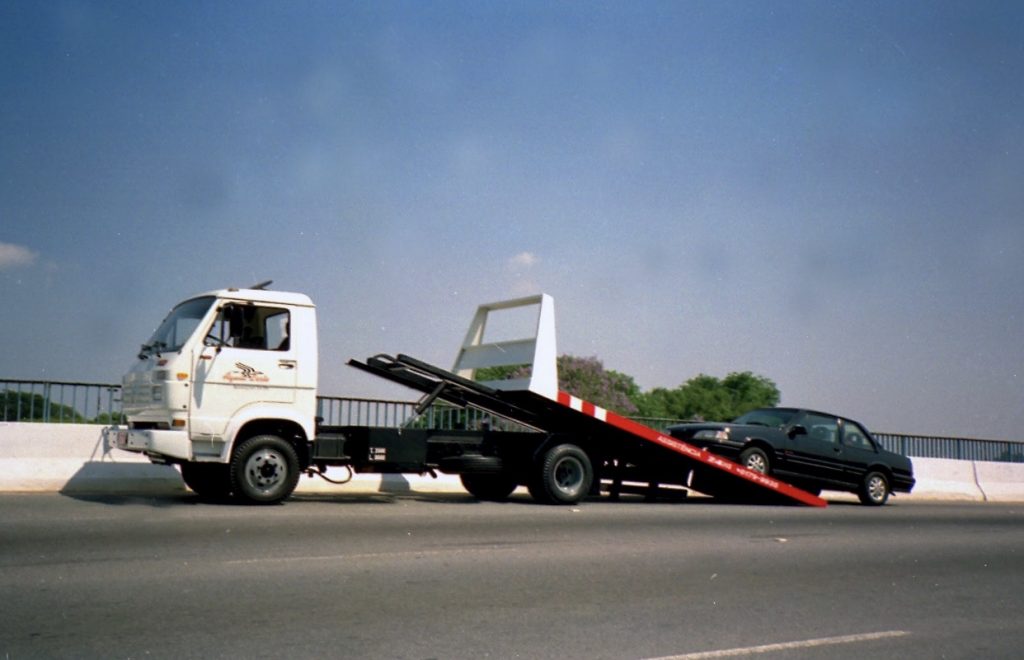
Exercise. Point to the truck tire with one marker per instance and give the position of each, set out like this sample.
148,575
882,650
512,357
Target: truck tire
471,463
210,481
563,476
264,470
488,486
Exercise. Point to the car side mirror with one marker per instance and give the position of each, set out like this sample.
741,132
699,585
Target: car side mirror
797,430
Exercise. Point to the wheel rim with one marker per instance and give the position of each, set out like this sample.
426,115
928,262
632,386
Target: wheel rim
266,470
876,488
757,462
568,475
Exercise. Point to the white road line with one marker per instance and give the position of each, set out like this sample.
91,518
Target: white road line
785,646
368,555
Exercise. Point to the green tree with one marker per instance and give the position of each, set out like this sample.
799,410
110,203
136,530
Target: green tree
584,377
707,397
32,407
702,397
587,379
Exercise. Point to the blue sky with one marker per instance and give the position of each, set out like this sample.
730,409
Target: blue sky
827,194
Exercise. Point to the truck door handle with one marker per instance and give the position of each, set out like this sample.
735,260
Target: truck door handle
283,364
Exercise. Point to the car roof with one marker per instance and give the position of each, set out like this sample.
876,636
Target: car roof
807,410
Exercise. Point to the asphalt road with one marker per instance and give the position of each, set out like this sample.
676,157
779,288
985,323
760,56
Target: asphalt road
352,576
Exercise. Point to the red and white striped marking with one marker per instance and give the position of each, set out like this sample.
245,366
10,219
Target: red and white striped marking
582,406
688,450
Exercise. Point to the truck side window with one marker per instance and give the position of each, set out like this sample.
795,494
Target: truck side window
278,330
251,327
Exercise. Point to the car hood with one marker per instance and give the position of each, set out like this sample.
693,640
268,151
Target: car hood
735,430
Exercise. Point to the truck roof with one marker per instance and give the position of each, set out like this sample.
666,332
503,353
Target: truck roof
261,295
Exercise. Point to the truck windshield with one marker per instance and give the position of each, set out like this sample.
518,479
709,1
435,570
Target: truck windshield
178,326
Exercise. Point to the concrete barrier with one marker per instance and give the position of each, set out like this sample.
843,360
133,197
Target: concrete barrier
82,459
76,458
1000,482
947,479
79,458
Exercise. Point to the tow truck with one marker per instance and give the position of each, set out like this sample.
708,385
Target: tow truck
226,389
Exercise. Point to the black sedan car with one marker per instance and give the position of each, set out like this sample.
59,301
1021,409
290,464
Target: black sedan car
812,450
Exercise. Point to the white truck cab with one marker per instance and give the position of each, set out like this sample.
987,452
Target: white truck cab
225,367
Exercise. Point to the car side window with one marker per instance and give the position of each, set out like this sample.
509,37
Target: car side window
821,429
855,436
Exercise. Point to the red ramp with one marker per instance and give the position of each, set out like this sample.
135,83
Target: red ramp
701,456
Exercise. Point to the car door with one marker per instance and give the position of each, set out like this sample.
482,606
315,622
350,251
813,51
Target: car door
859,451
817,453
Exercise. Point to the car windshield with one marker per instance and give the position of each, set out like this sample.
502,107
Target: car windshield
178,326
766,417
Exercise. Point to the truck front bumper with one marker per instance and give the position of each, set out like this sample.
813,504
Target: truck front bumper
156,444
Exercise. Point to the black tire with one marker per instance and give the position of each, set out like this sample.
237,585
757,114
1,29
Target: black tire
490,487
264,470
210,481
563,476
874,490
471,463
755,458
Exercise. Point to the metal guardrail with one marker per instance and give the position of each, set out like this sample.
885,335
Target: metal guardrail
100,403
964,449
59,402
347,411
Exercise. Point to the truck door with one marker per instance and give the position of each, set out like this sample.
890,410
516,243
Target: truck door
245,358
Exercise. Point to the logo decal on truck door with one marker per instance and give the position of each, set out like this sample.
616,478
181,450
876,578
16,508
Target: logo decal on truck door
246,374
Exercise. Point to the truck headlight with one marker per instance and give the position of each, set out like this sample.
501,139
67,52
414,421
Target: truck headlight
158,393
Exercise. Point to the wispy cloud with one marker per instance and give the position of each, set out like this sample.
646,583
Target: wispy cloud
523,260
14,256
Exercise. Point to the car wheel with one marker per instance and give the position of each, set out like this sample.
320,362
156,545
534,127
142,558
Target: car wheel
874,490
755,459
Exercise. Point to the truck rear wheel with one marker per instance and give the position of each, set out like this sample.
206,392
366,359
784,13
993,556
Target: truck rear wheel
210,481
491,487
563,476
264,470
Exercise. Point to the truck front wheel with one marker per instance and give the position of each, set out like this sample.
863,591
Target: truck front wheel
563,476
264,470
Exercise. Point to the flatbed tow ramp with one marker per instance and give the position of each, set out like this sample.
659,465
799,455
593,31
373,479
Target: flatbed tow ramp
618,448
